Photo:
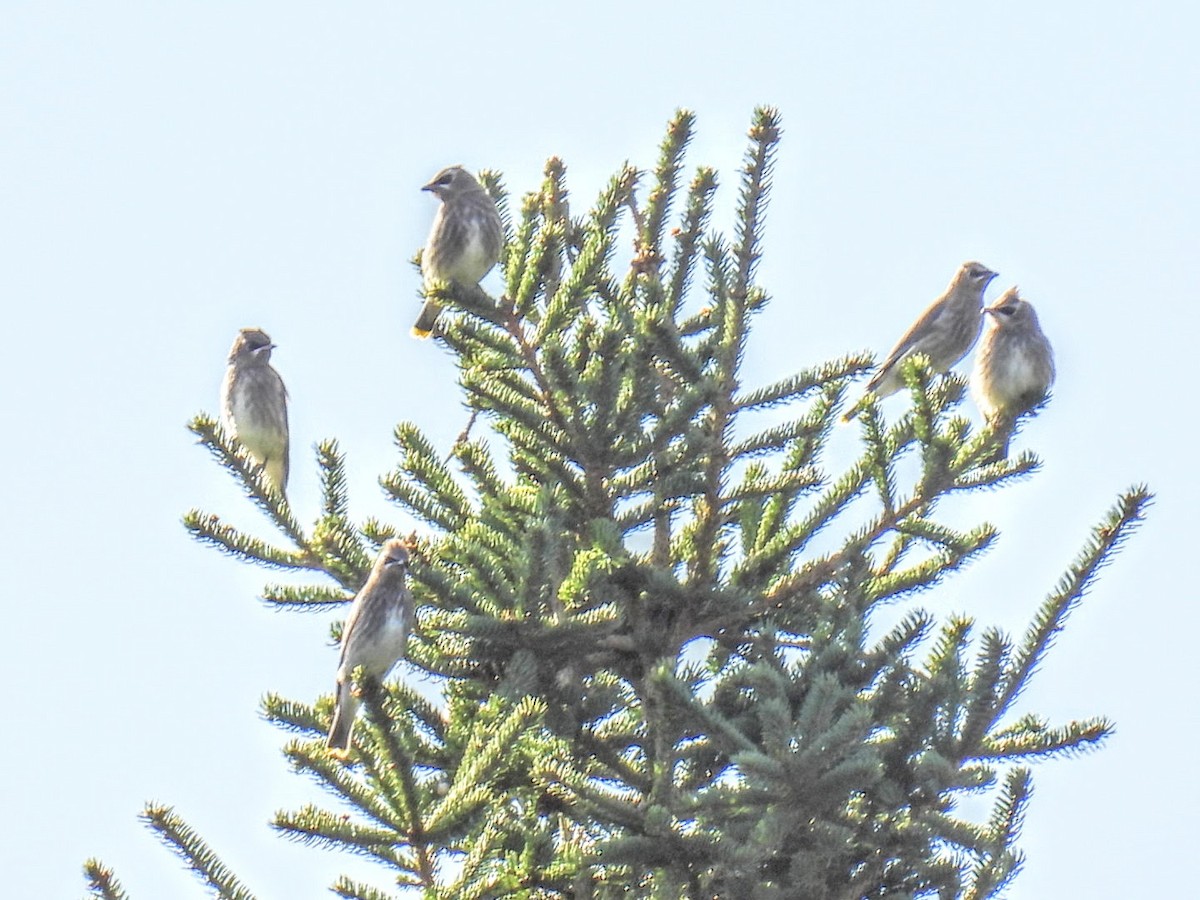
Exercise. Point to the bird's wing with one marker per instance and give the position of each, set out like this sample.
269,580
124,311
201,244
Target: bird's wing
348,629
908,342
287,435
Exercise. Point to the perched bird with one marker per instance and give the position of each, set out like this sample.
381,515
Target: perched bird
375,635
945,332
1014,366
254,404
465,240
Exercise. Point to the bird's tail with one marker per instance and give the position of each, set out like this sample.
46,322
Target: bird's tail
1003,428
423,327
343,720
277,473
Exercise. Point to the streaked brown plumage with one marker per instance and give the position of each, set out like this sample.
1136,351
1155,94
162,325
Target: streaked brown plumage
944,332
375,635
465,241
254,404
1014,366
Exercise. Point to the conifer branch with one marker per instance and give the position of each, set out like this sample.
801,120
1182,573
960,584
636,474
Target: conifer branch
470,300
343,555
312,826
519,243
775,439
998,864
209,529
303,598
732,300
541,272
1106,540
797,387
585,275
1031,738
191,848
765,134
101,882
985,684
650,238
251,476
441,497
555,203
397,761
299,718
489,743
928,573
879,456
366,798
549,401
354,890
494,185
998,474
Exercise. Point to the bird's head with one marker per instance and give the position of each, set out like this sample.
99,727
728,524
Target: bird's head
394,556
973,274
452,181
251,345
1011,311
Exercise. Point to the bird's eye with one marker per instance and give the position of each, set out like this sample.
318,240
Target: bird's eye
1008,310
445,180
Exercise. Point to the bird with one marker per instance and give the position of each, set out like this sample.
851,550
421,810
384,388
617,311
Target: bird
1014,366
464,242
375,635
254,404
944,332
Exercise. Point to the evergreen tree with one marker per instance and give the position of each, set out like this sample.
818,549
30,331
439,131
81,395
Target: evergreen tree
650,621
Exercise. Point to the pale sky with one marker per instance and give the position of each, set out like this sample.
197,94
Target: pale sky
170,173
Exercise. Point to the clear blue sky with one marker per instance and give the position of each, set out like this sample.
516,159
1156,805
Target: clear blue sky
172,172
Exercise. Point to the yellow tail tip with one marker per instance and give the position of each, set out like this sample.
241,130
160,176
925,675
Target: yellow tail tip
421,333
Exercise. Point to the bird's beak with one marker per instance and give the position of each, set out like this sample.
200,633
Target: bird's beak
429,187
991,310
